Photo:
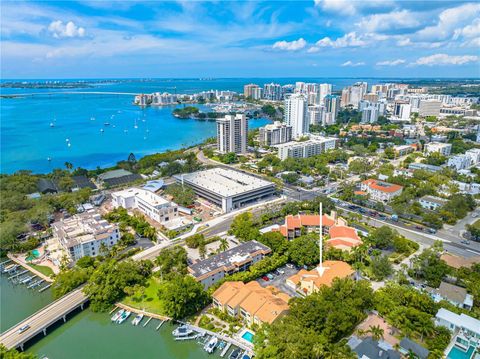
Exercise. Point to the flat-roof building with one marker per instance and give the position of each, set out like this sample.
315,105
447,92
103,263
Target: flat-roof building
442,148
149,203
303,149
227,188
238,259
83,234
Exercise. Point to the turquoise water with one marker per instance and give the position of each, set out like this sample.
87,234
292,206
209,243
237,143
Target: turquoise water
27,140
17,302
457,353
248,336
35,254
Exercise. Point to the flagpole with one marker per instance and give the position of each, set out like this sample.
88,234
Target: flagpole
320,239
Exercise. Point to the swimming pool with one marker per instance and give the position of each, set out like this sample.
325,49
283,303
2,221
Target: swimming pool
457,353
248,336
35,255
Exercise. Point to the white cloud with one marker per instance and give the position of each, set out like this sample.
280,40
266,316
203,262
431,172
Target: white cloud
294,45
60,30
391,62
348,40
402,19
449,20
352,64
444,59
346,7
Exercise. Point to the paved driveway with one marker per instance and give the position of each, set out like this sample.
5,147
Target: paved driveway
279,281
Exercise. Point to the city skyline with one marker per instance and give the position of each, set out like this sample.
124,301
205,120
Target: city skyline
320,38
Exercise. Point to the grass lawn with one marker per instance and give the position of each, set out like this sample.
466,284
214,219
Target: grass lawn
150,301
477,223
42,269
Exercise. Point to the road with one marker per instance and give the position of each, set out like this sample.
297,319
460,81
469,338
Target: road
43,318
451,244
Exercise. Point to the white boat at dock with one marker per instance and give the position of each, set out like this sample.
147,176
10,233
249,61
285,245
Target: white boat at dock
10,268
211,345
182,331
117,315
123,317
136,321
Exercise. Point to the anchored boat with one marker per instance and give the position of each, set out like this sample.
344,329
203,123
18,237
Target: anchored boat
137,319
182,331
211,345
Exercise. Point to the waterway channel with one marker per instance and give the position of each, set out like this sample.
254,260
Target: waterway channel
91,335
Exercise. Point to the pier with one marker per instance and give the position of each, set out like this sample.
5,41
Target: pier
31,269
225,350
41,320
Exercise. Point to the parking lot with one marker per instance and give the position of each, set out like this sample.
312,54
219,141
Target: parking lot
279,281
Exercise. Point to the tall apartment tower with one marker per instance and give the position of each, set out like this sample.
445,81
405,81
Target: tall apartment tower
232,134
296,114
332,104
252,91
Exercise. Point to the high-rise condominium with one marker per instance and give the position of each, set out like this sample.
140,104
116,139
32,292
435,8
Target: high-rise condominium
296,114
232,133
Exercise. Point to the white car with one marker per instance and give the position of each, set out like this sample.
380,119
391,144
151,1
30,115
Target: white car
23,328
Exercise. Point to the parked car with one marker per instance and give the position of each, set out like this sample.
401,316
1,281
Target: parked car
265,278
289,265
270,276
431,230
280,271
23,328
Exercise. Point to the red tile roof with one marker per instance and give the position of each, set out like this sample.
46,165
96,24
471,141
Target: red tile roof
382,186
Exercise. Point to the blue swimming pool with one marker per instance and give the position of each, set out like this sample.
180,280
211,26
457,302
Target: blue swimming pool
248,336
457,353
35,254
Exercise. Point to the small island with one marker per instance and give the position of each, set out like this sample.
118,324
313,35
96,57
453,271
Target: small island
195,113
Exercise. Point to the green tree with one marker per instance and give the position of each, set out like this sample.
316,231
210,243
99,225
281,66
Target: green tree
376,331
184,196
85,262
172,260
182,296
224,245
304,251
243,227
381,267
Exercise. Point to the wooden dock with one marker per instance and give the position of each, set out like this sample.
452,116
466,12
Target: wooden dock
138,311
225,350
148,321
26,266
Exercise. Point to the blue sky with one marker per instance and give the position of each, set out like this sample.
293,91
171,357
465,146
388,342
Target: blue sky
321,38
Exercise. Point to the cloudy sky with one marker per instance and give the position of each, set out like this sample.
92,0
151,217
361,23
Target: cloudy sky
323,38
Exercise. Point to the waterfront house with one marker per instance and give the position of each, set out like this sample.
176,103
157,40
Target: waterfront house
83,234
251,302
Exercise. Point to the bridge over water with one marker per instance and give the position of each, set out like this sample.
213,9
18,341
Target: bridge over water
41,320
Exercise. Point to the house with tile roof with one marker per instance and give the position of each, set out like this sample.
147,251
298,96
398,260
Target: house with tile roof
308,282
379,190
251,302
343,237
310,222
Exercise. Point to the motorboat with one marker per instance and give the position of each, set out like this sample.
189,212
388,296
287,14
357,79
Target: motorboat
211,345
117,315
123,317
235,354
137,319
182,331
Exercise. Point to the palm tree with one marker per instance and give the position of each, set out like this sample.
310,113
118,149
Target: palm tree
224,245
151,233
376,331
202,250
68,166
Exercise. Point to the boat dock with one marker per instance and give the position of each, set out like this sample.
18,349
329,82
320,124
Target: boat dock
229,340
148,321
225,350
30,269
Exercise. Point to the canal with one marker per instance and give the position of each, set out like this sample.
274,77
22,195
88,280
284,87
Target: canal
91,335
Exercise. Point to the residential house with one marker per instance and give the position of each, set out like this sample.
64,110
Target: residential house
309,282
409,346
343,237
379,190
465,329
432,203
456,295
251,302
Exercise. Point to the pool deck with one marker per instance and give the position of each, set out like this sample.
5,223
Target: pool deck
29,268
